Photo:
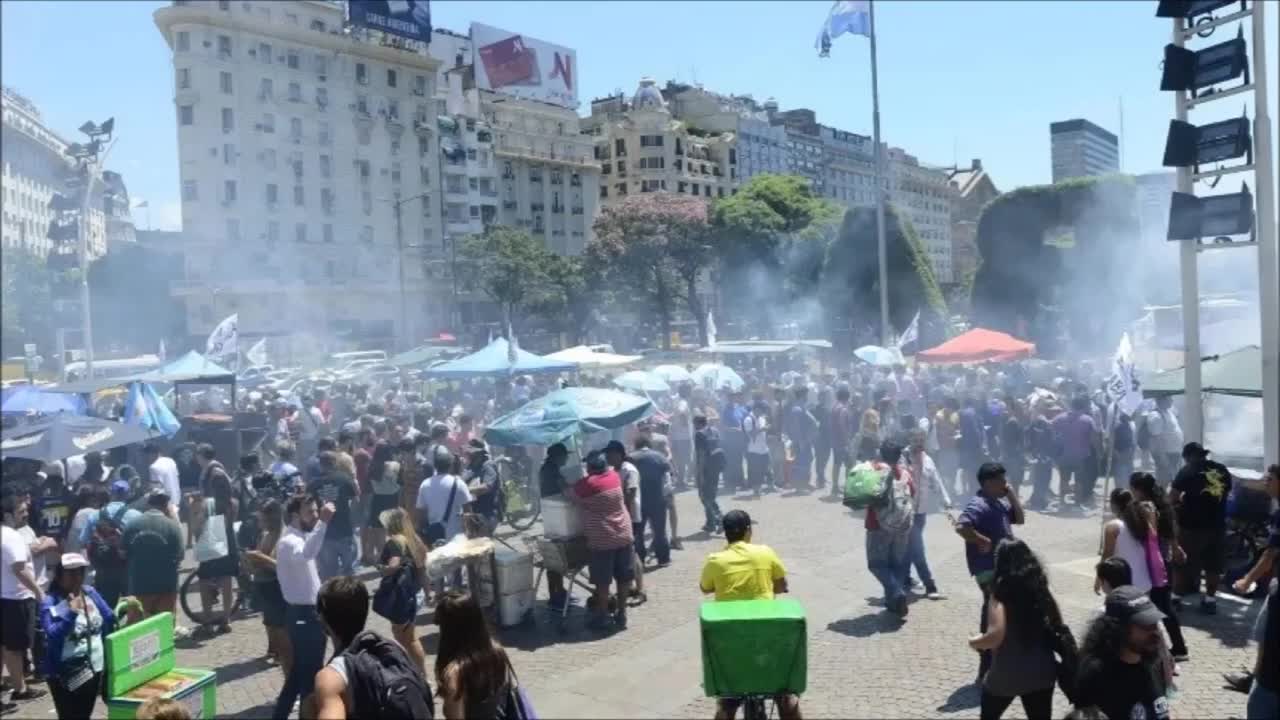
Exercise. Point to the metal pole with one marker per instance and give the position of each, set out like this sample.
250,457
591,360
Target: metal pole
455,314
404,318
85,309
1192,422
885,332
1268,267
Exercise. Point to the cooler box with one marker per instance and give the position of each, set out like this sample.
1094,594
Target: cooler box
561,519
140,666
515,570
514,607
754,647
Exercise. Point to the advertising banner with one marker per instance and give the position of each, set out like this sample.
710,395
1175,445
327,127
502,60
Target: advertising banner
524,67
410,19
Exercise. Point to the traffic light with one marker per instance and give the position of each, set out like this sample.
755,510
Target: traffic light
1195,69
1217,216
1188,145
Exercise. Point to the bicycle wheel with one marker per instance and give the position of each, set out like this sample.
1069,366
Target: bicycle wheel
524,504
203,602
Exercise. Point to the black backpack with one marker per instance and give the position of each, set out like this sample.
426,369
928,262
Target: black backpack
382,681
106,546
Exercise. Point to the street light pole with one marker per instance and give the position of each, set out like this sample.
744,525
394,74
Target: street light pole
93,166
404,318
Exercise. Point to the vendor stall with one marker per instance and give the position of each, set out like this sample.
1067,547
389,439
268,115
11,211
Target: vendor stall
498,358
978,345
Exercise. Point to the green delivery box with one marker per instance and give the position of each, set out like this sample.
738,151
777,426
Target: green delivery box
754,647
140,666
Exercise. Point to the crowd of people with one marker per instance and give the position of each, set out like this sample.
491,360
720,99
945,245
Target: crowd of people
352,479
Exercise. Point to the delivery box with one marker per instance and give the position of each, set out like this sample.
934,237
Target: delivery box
754,647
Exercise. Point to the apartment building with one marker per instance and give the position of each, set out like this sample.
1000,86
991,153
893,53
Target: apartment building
1079,148
310,170
35,167
761,145
924,194
642,147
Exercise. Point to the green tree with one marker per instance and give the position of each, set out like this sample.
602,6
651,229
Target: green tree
570,301
1060,258
510,267
851,280
26,306
773,236
657,246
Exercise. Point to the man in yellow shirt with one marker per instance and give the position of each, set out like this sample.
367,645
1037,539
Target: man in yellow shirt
743,571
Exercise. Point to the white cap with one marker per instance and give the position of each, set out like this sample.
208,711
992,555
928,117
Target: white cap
71,561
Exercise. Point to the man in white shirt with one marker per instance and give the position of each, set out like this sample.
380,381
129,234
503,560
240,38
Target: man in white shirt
682,436
929,491
164,473
75,468
1166,440
299,583
442,499
615,453
756,427
20,596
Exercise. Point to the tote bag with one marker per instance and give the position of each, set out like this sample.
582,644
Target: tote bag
212,543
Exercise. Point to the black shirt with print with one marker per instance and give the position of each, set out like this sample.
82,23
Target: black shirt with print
1205,486
1123,691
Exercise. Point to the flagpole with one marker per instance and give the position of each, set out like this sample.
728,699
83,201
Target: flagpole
875,130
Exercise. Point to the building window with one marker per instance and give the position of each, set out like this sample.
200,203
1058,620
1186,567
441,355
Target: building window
268,123
300,232
650,141
224,82
184,41
268,158
264,53
299,196
366,234
189,193
228,191
186,115
366,202
273,232
362,74
363,167
327,233
295,129
424,177
229,154
323,133
326,200
362,135
273,194
317,25
326,166
391,78
224,46
322,97
295,92
475,211
292,59
604,191
620,147
184,78
473,183
233,230
228,120
419,85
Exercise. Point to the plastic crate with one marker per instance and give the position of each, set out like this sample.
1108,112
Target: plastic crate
754,647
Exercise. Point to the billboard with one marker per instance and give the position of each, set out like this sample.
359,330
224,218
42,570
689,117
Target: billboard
513,64
410,19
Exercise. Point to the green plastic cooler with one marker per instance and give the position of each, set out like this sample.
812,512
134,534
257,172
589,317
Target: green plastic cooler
140,666
754,647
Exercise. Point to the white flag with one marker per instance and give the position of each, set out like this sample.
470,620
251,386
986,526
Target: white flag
711,331
225,338
911,334
1123,387
257,354
846,16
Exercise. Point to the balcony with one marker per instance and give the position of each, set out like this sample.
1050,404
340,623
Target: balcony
557,208
395,125
421,127
575,181
577,210
484,136
510,205
537,207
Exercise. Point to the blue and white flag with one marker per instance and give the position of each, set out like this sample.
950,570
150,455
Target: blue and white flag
144,407
846,16
911,334
224,340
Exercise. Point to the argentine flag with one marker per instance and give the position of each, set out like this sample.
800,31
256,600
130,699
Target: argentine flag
846,16
144,407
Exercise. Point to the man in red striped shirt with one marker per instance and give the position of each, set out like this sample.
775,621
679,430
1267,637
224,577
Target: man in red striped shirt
607,527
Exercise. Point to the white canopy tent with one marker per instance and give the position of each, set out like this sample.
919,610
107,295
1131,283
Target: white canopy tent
586,358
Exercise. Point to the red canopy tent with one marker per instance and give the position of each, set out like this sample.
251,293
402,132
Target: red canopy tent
978,345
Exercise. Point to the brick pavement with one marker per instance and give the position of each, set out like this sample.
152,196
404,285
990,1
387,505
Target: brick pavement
861,663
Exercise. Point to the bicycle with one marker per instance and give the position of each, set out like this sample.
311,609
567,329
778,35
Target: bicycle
192,586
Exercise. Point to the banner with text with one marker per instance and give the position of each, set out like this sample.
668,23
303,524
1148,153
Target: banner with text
410,19
524,67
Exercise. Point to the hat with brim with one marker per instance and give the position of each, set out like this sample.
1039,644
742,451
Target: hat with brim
1133,606
74,561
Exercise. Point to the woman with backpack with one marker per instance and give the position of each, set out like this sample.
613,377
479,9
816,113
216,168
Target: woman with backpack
404,553
1024,632
474,677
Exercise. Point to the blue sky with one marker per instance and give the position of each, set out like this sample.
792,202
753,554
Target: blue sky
958,80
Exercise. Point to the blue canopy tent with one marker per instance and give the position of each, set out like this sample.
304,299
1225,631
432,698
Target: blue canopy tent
191,368
494,359
561,414
28,400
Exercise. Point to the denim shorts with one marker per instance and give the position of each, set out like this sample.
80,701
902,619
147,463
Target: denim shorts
607,565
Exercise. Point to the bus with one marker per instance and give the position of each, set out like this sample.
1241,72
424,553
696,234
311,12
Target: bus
341,359
122,367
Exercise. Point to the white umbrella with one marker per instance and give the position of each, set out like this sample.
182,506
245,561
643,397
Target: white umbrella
716,376
641,382
876,355
584,357
673,374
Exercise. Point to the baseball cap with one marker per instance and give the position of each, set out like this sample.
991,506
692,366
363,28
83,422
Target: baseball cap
1133,606
615,446
120,487
158,492
1194,449
72,561
735,522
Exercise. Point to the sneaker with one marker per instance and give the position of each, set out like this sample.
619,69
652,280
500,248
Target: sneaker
26,695
620,619
223,629
935,595
1181,657
181,632
676,545
1241,681
1209,606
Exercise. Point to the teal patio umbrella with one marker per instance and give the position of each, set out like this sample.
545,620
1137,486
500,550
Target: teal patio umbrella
562,414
